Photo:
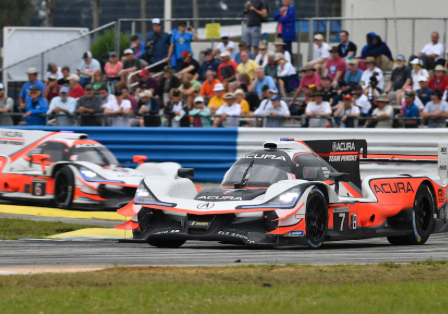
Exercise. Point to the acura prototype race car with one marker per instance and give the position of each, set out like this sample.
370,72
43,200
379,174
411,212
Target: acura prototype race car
292,194
68,170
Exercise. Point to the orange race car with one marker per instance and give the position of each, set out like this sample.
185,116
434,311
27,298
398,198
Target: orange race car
293,193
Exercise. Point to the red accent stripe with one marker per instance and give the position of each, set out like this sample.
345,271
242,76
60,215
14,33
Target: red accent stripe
93,197
283,230
128,210
290,214
337,154
407,157
198,188
351,190
128,225
29,148
12,139
86,184
119,184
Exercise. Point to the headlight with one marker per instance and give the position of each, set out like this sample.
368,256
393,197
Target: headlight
285,200
144,196
90,175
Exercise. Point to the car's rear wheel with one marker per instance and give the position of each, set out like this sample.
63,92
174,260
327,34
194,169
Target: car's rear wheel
166,243
422,219
64,187
316,219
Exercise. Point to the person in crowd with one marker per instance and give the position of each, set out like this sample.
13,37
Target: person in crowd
89,105
262,57
226,45
6,107
243,47
261,80
176,111
189,65
362,102
372,76
382,115
52,89
424,92
400,79
228,113
432,52
87,67
105,96
119,107
227,69
137,46
286,74
323,53
97,80
130,64
257,11
53,69
330,93
180,42
266,104
417,102
239,99
247,65
65,74
113,68
417,73
354,74
146,82
410,111
189,89
210,63
369,38
310,78
439,81
32,81
286,29
168,82
157,46
127,95
279,45
209,84
35,105
275,114
63,107
381,52
346,48
200,114
76,90
218,100
270,69
436,111
148,107
251,96
347,113
335,67
318,108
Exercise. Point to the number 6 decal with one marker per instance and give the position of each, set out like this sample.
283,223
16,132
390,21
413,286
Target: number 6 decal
342,222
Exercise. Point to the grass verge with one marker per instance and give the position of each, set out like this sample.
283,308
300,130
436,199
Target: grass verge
383,288
13,229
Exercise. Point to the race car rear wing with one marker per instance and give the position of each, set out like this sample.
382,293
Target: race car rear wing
398,158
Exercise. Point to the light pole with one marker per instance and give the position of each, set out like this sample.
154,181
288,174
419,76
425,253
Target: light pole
167,15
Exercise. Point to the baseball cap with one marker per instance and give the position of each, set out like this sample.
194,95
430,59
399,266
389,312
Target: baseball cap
273,90
208,51
218,87
326,77
348,97
333,49
318,37
143,72
87,55
128,52
225,35
89,87
169,68
199,99
225,53
145,93
34,89
242,43
176,92
416,61
185,53
32,71
2,86
275,97
409,94
400,58
53,77
229,96
73,77
271,54
156,21
279,56
439,67
422,78
113,54
353,61
64,89
182,23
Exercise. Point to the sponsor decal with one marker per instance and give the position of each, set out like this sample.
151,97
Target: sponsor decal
442,167
442,213
205,206
444,150
300,216
294,233
12,142
341,210
236,235
7,133
398,187
199,223
88,145
446,192
343,146
230,198
263,156
343,158
167,231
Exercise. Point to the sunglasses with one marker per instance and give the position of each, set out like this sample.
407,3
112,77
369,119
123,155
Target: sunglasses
32,93
262,49
198,103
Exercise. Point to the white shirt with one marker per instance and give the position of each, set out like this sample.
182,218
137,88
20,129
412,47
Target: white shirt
288,70
265,60
352,110
323,108
363,103
323,52
431,49
58,74
230,44
112,104
365,78
234,110
387,109
416,78
266,106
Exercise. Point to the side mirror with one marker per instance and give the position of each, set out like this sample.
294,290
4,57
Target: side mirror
339,177
40,159
185,173
139,159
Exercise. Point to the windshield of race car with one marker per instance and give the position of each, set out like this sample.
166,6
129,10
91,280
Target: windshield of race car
99,155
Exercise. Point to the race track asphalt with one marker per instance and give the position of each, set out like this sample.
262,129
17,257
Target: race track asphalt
195,253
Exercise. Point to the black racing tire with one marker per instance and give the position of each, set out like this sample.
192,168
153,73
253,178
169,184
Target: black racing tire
172,244
64,187
316,218
422,219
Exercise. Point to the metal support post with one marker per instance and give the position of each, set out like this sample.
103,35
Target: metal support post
133,29
310,39
386,29
299,39
213,40
117,37
328,32
42,67
413,36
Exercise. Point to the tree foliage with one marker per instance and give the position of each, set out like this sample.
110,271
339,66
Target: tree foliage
106,43
16,12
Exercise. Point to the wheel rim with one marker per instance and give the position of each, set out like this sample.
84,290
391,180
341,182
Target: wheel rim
315,219
423,212
61,189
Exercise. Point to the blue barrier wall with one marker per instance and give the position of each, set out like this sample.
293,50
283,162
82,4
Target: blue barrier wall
210,151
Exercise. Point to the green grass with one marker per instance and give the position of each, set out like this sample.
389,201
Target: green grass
383,288
13,229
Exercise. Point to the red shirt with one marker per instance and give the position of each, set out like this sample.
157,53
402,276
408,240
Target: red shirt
441,85
230,63
314,79
77,92
334,66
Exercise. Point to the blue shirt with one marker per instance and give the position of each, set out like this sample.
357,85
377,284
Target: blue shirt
267,81
238,58
212,65
141,50
411,112
350,77
161,44
89,67
425,95
26,89
38,108
181,43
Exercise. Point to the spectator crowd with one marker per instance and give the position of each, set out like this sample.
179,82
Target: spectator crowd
241,84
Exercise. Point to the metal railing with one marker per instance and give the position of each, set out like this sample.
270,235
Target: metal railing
128,83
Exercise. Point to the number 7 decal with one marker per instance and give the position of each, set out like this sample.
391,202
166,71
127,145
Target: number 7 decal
342,222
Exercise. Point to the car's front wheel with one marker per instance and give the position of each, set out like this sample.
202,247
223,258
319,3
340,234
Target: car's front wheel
316,218
64,187
166,243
